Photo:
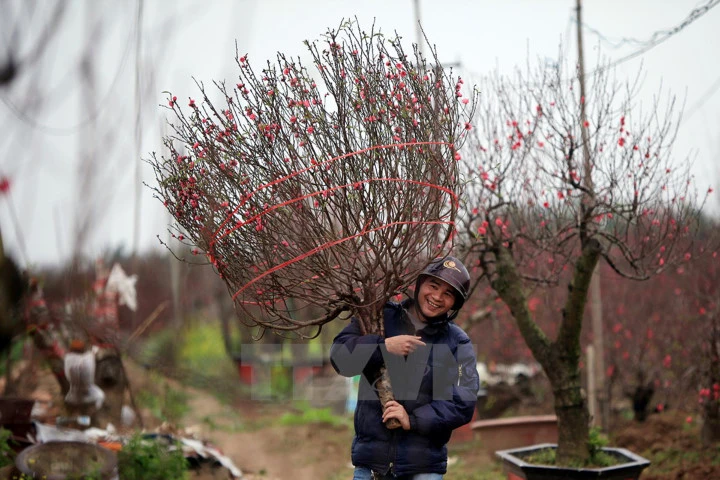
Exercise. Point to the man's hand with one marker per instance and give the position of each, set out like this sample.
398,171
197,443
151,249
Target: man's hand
394,410
403,344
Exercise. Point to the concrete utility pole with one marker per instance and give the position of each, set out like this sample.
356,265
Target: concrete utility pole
419,40
138,132
598,397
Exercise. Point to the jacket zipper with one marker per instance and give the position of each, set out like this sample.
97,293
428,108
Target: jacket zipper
393,447
459,374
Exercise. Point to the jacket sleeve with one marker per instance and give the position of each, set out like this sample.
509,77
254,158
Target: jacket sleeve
440,415
352,352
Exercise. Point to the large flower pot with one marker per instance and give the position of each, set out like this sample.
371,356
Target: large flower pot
517,468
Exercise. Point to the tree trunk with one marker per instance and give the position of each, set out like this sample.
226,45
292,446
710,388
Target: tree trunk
710,432
385,393
560,359
573,419
372,322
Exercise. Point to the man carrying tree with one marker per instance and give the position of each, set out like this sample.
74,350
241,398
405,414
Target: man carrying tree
313,192
432,370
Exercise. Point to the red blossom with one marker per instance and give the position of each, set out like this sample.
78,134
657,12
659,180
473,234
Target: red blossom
667,361
4,185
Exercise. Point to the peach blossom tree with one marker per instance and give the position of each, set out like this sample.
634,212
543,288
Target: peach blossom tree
321,186
557,182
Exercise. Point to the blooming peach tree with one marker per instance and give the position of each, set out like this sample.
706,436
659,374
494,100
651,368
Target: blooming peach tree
318,188
558,181
699,327
668,336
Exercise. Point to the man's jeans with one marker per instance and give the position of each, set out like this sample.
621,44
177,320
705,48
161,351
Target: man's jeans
365,474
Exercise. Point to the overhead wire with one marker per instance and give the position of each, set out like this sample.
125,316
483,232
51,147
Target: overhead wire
656,38
702,100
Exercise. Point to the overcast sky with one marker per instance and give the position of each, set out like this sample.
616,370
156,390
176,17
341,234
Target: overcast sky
55,140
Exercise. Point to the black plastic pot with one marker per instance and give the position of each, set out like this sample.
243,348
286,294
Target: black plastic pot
518,469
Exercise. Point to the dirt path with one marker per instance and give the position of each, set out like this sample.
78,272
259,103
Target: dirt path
264,450
250,434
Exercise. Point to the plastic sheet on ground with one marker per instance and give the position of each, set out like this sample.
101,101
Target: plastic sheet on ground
192,447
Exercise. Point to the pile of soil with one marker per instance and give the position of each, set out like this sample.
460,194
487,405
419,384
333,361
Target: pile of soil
672,441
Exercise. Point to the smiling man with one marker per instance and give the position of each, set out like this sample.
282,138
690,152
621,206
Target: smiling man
432,368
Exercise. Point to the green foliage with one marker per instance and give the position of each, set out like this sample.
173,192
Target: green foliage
196,358
203,363
151,459
598,458
155,348
229,420
281,381
170,406
16,352
546,456
668,460
596,442
202,347
7,454
305,414
459,468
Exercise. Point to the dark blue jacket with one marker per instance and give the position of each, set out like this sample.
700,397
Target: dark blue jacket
437,385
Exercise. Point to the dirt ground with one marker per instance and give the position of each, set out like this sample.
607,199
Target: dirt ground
249,433
265,450
671,440
274,452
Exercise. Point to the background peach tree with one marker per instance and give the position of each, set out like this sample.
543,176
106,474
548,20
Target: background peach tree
557,181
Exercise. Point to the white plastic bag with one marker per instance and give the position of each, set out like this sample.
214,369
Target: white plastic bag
80,372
